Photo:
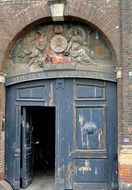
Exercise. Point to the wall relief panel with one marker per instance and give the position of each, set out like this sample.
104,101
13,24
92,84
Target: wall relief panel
68,45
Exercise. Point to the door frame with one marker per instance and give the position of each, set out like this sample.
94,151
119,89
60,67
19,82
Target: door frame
20,104
26,182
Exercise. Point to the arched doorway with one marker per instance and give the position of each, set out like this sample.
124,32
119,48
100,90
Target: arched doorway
65,70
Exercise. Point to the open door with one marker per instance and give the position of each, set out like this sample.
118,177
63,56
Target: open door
26,148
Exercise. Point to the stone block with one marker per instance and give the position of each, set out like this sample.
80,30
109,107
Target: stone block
4,185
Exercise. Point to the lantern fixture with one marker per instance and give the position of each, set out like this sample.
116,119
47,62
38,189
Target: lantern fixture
57,9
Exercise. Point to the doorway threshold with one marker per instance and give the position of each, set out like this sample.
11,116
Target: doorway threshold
45,181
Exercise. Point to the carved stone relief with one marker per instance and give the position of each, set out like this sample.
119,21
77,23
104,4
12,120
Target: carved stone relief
46,46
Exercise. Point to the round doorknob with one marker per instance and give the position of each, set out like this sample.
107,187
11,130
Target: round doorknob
90,128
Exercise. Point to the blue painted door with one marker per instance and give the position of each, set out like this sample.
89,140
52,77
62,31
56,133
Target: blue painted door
86,132
26,148
13,136
95,144
64,133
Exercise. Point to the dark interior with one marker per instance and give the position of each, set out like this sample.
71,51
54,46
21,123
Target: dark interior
40,136
43,138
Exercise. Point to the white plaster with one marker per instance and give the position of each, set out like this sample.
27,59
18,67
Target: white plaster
130,73
57,11
119,74
118,71
2,78
116,27
108,1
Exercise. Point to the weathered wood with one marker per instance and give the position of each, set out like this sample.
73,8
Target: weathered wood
86,133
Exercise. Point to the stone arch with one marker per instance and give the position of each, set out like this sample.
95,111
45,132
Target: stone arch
74,10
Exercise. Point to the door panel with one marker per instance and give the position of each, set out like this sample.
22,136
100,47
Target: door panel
91,171
12,149
91,127
26,150
90,91
95,132
64,133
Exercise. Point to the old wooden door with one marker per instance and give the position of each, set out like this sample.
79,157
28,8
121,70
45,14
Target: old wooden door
12,145
26,148
95,143
86,132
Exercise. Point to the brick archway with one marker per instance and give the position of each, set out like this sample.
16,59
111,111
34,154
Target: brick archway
106,21
98,17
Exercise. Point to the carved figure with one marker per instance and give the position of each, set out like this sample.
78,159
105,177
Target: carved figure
79,53
38,55
41,41
76,48
62,49
60,44
58,29
74,38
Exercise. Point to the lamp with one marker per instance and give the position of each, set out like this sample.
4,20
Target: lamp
57,9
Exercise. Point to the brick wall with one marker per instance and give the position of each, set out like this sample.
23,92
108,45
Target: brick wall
15,18
126,18
114,19
125,159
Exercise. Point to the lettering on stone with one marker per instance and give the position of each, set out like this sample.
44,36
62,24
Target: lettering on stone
57,74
